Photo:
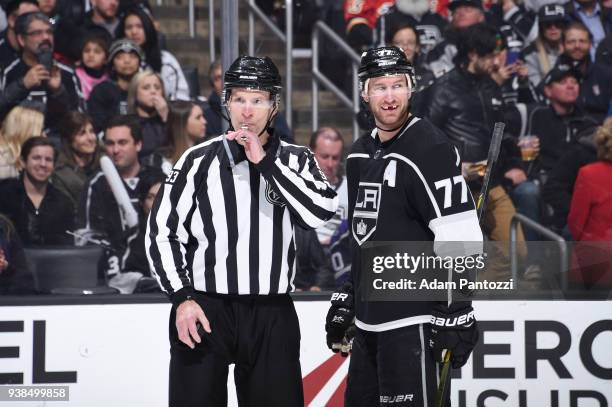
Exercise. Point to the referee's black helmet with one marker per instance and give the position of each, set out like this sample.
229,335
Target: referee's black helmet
252,73
384,61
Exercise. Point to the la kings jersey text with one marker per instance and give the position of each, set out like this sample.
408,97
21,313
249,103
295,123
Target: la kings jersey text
409,188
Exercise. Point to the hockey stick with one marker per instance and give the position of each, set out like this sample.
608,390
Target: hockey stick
481,205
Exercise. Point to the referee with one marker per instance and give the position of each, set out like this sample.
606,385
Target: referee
220,241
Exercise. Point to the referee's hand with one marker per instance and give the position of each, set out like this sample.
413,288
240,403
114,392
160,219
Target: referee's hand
251,143
187,314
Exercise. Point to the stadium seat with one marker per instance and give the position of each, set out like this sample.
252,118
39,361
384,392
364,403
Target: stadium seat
66,270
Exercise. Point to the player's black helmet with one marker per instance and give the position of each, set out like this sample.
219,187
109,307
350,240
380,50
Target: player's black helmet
384,61
252,73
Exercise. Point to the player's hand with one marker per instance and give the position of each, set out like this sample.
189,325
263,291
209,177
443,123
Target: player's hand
188,313
35,76
251,143
339,319
470,171
456,332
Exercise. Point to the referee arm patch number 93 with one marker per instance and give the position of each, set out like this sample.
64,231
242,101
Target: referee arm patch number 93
172,177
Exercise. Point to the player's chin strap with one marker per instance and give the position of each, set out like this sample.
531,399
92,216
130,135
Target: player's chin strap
398,127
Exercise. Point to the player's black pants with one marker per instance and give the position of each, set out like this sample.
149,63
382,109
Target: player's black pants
260,334
392,368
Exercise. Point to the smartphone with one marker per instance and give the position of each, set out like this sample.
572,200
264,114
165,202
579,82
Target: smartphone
45,58
514,50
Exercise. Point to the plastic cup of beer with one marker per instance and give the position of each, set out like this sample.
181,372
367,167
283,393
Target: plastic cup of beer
529,146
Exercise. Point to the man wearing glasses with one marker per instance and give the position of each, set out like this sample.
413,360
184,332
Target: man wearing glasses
35,76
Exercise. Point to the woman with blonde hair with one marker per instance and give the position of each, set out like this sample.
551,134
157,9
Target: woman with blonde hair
19,125
147,100
590,216
186,126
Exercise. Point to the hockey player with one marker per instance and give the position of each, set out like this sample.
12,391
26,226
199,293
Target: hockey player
220,241
401,166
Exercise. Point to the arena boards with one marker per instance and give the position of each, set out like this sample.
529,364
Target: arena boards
543,354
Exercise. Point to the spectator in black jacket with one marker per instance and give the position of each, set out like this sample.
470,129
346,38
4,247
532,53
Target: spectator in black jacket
15,277
465,13
9,47
558,189
98,208
35,76
147,100
313,265
109,98
428,25
595,89
40,212
465,104
102,18
557,124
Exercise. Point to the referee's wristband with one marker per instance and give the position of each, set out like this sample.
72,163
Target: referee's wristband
182,295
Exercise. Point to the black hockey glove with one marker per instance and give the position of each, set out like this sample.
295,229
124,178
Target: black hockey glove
457,332
339,318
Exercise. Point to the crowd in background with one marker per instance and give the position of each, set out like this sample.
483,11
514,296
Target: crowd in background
77,85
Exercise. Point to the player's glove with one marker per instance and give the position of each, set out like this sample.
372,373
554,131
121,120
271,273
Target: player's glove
339,318
454,331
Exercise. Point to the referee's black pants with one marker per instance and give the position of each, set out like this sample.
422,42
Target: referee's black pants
392,369
260,334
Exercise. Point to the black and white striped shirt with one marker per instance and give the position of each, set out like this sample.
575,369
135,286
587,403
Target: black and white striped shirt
221,224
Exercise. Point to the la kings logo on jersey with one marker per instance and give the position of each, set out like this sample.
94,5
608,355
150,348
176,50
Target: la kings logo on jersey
365,215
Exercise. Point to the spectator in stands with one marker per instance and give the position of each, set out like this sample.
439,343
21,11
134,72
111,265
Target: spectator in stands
360,17
9,46
92,69
592,15
465,13
541,55
98,208
465,103
79,158
595,89
136,265
186,127
35,76
41,214
559,186
428,25
15,276
604,52
138,26
109,98
313,264
102,18
18,126
327,144
147,100
511,75
590,216
557,124
215,112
